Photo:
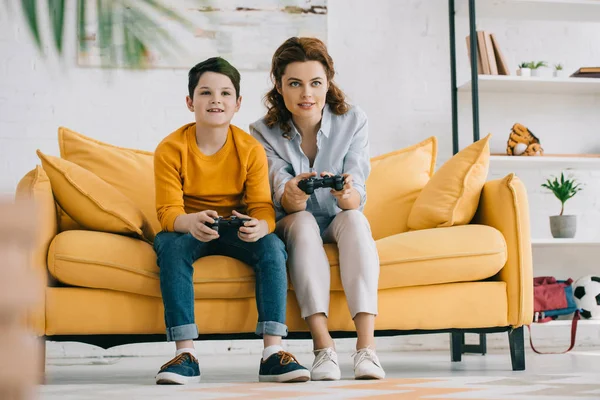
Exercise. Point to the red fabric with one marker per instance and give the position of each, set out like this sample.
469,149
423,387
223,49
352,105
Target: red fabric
548,294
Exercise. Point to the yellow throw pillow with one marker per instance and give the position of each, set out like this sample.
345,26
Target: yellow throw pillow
395,181
452,195
92,202
128,170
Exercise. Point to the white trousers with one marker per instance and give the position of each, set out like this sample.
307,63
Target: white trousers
309,268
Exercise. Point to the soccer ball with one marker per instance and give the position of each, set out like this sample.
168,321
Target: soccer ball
587,296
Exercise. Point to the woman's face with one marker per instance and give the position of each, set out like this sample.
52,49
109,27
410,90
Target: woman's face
304,88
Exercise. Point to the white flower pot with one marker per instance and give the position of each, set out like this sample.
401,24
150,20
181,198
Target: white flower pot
560,73
542,72
524,72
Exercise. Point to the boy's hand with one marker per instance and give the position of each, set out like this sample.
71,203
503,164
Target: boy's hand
252,230
346,190
197,228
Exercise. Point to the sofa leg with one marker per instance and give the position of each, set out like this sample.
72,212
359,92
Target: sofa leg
42,360
517,348
456,345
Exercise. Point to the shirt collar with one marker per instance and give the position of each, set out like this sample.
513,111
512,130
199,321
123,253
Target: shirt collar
325,123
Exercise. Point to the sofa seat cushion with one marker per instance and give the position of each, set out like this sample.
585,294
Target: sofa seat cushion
432,256
110,261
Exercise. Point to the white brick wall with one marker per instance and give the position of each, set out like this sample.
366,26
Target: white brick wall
392,59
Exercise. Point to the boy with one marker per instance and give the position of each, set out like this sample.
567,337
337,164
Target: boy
202,171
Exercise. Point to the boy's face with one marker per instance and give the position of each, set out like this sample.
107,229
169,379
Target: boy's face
214,101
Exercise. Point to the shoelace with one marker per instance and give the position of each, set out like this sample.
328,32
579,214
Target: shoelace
180,359
324,356
287,358
366,353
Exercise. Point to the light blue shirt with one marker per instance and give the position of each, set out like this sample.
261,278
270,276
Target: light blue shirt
342,148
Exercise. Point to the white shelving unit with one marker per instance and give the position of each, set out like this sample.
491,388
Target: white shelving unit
556,257
561,10
567,322
564,242
519,84
583,161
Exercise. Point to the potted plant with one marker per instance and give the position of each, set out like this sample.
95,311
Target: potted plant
559,72
524,69
536,68
563,226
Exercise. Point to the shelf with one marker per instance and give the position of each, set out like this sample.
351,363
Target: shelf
583,161
565,242
568,322
557,10
519,84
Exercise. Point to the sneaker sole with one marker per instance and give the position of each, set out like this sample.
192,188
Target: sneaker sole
289,377
368,377
326,377
169,378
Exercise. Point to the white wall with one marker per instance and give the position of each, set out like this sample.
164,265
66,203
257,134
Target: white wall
392,60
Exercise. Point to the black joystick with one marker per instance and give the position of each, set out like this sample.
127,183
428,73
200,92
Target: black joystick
226,223
309,185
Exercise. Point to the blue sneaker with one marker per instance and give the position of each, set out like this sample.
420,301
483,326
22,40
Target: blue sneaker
181,370
282,367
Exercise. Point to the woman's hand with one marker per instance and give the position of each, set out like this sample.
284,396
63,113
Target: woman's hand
252,230
294,199
347,198
346,191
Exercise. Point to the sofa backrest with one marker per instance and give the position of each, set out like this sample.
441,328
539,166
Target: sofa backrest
395,181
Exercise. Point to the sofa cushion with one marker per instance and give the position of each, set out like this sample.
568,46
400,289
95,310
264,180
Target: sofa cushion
108,261
395,181
35,186
91,201
130,171
452,195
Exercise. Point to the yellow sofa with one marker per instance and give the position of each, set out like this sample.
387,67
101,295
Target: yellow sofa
103,287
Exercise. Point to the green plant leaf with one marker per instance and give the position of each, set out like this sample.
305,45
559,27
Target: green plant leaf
81,16
56,9
30,11
563,189
126,32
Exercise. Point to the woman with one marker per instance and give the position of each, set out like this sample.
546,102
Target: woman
309,129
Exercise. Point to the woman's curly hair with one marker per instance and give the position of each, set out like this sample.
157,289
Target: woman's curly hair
300,49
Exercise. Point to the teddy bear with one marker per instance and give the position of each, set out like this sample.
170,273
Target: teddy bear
522,142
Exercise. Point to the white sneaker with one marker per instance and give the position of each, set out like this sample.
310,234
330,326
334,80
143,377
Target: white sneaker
367,365
325,367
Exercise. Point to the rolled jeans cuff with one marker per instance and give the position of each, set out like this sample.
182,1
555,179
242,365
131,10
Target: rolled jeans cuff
271,328
182,332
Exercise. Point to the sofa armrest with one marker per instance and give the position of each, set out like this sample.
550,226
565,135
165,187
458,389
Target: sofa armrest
35,186
504,206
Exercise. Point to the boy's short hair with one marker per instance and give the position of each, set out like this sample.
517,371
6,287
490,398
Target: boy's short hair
213,64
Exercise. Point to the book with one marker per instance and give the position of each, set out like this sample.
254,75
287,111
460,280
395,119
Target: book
500,60
587,72
490,54
490,60
482,49
479,66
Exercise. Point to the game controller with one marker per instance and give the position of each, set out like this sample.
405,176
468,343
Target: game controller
309,185
224,223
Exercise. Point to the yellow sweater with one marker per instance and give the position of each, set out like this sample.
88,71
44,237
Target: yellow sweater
234,178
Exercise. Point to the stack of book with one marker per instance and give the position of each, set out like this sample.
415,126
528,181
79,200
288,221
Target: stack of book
490,60
587,72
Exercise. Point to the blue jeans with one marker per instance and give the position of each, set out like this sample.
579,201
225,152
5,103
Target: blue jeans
176,252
